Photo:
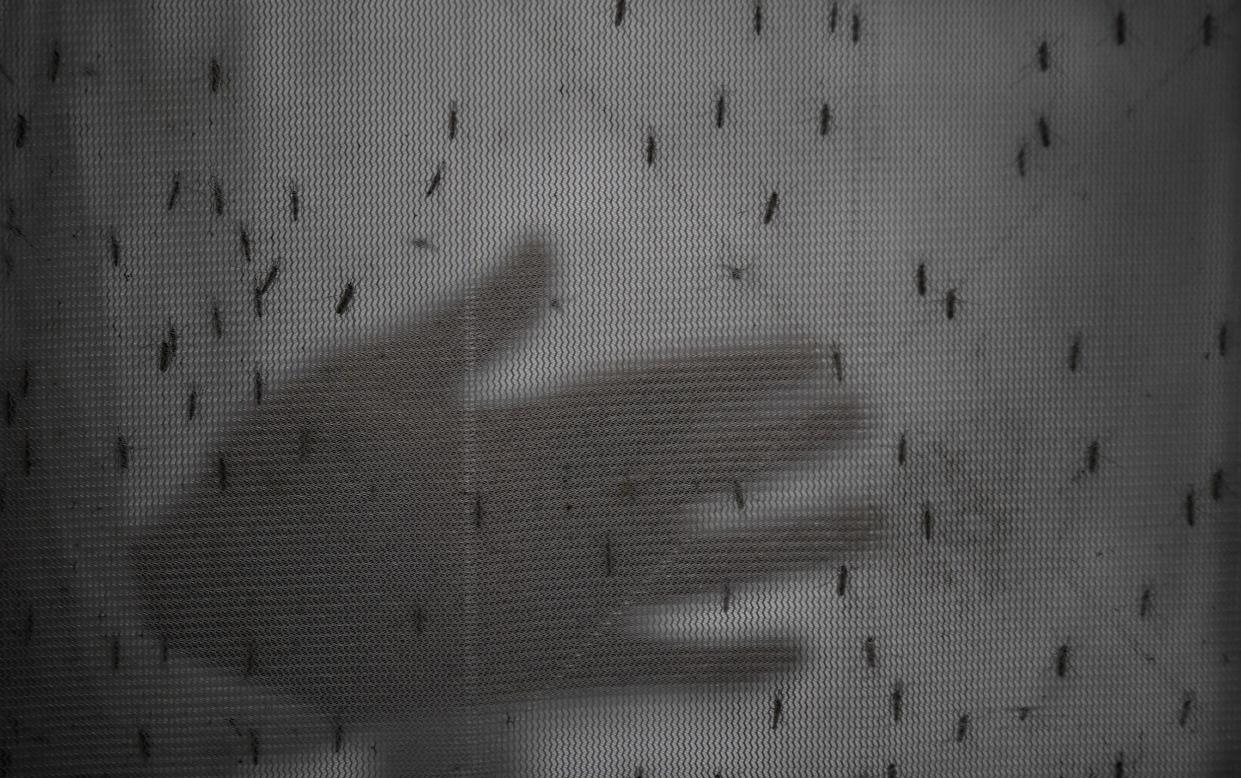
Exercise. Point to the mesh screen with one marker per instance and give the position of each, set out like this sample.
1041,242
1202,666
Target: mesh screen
619,387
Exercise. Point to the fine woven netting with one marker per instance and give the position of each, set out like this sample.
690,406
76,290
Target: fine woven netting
619,387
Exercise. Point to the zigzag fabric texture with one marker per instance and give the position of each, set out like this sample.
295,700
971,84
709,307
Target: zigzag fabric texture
767,388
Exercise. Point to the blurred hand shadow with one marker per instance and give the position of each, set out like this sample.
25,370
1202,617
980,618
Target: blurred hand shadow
378,545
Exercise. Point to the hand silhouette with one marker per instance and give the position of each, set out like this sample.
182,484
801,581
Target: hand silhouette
376,542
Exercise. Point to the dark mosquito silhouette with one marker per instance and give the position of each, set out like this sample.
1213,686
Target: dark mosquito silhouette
736,272
122,452
346,297
1187,705
215,75
1062,661
217,198
825,119
1043,60
436,179
1075,353
174,192
20,126
243,235
1044,132
334,539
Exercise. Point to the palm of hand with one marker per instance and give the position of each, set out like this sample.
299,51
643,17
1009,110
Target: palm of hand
382,547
